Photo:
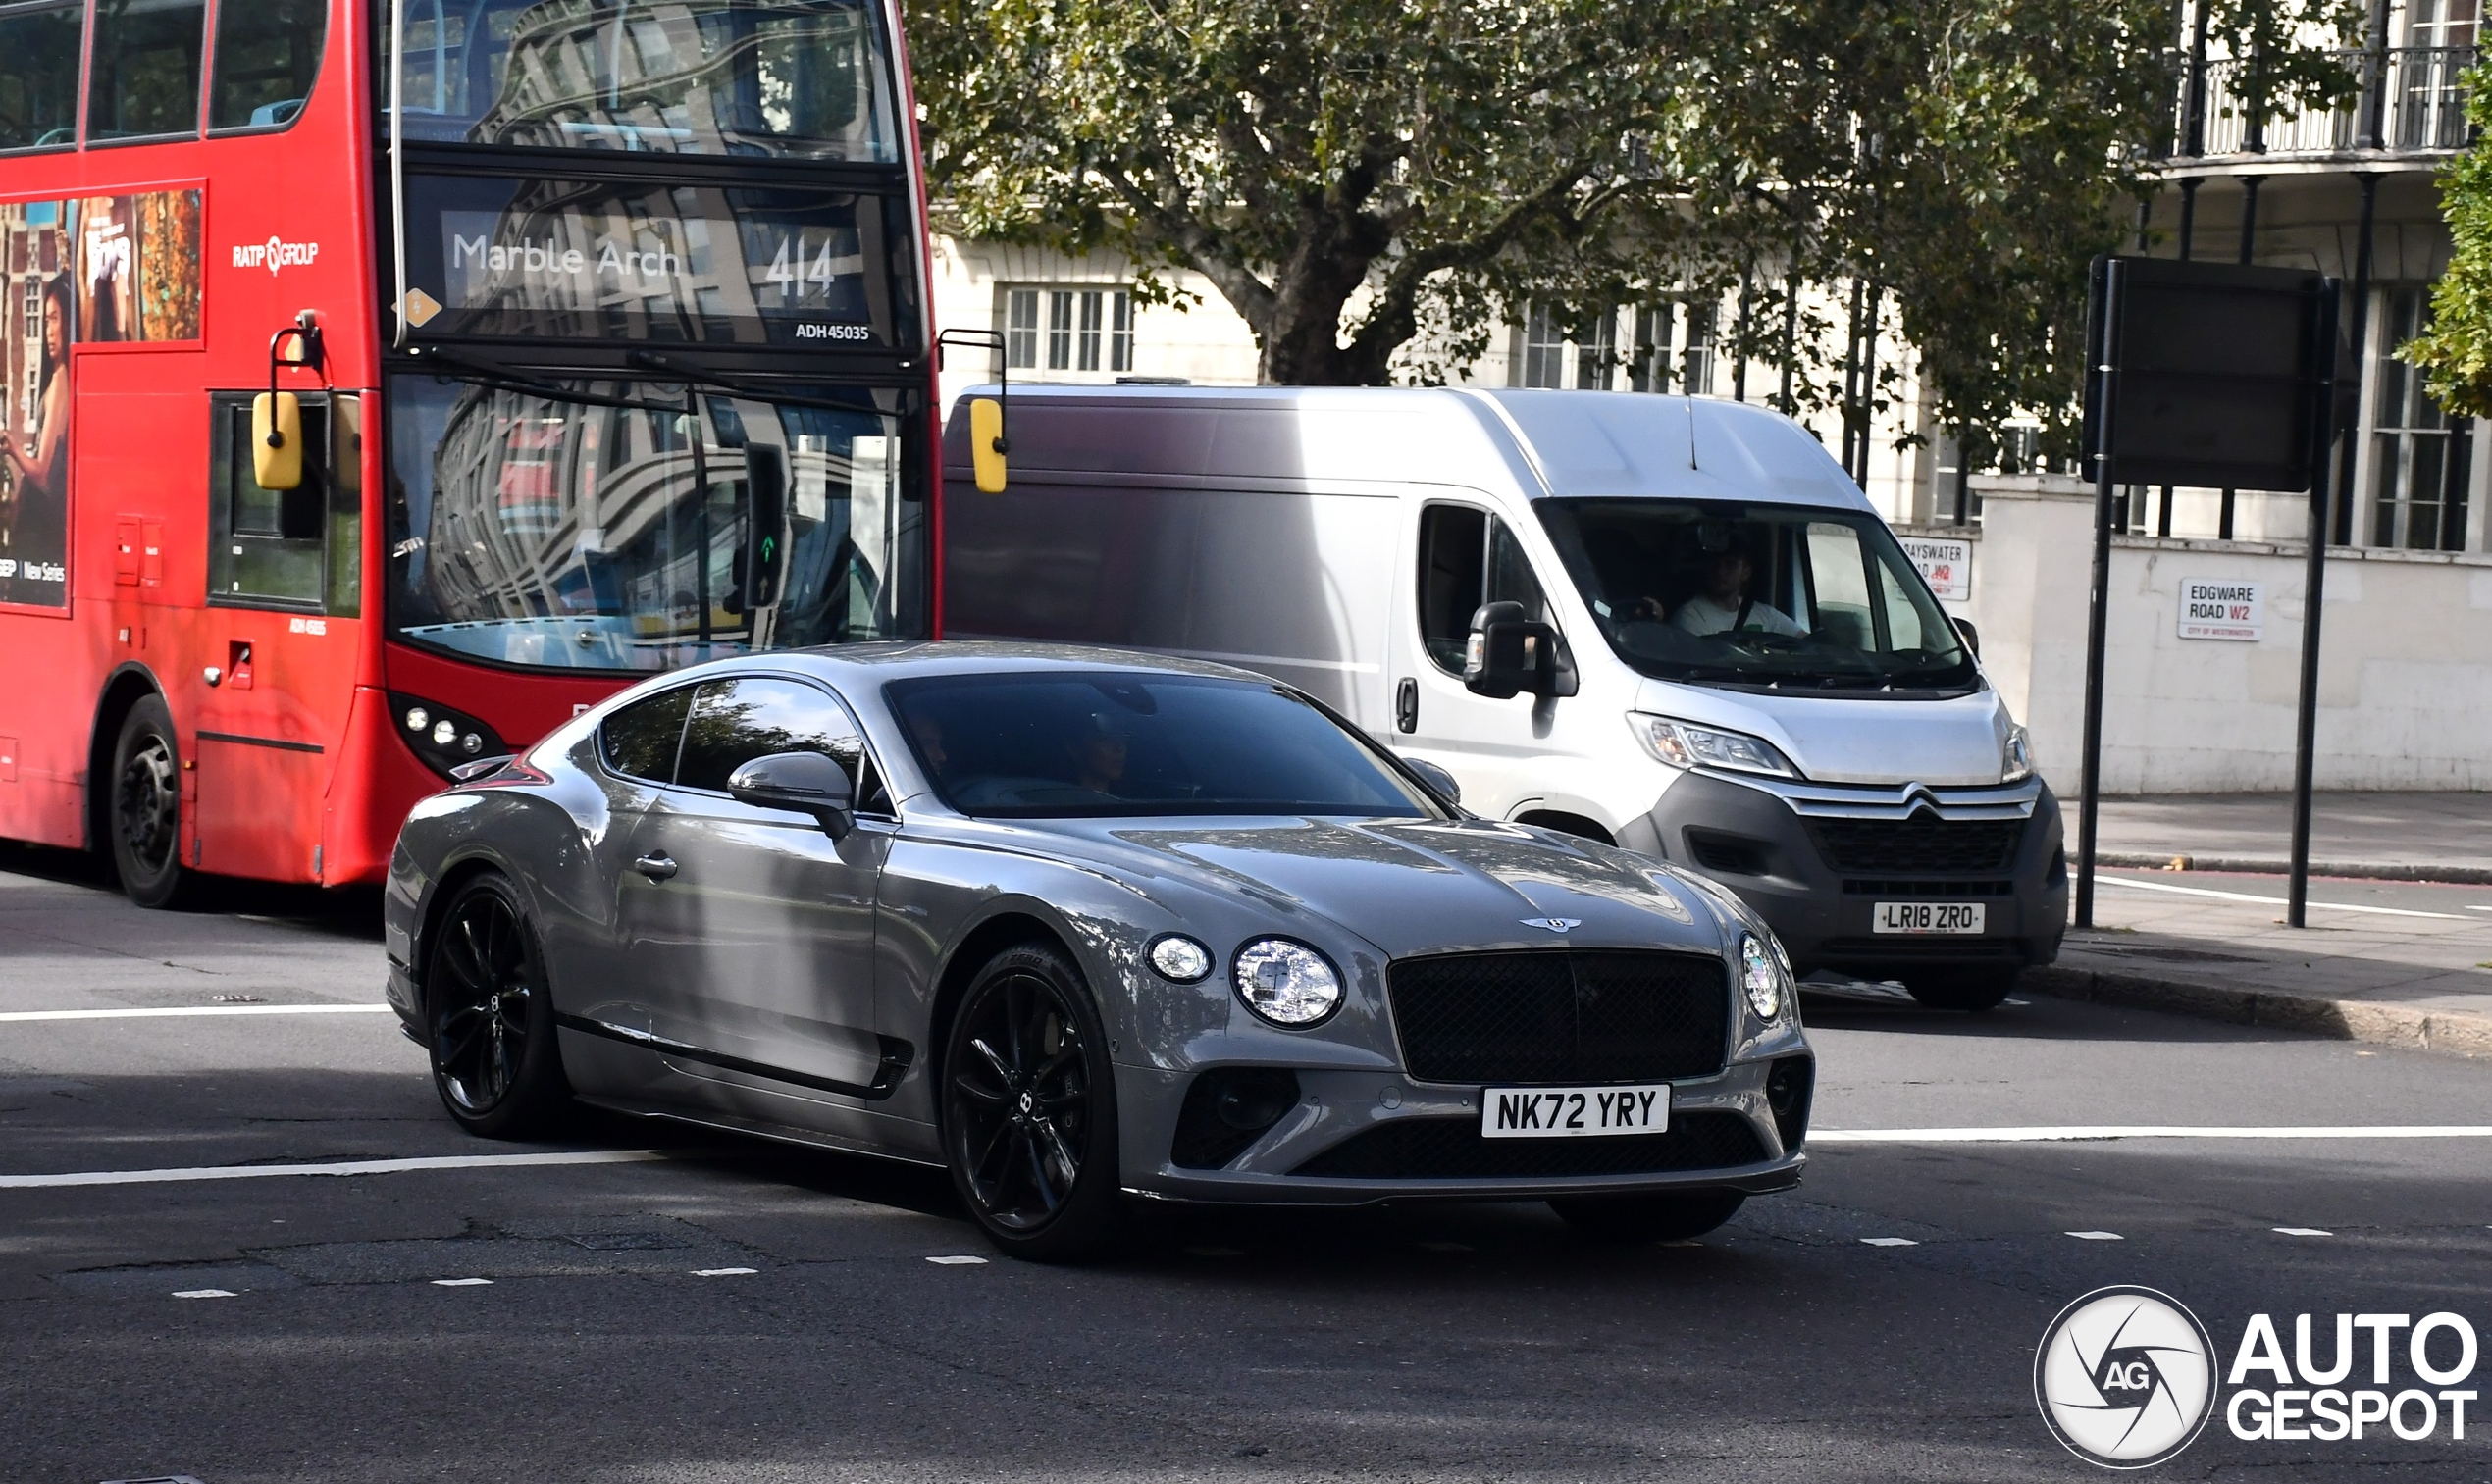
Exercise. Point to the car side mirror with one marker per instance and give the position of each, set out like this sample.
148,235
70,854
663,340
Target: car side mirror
806,783
1511,652
1435,777
1972,636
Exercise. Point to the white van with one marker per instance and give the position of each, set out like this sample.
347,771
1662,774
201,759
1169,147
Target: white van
1667,622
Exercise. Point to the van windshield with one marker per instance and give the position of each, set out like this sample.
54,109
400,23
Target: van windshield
1780,596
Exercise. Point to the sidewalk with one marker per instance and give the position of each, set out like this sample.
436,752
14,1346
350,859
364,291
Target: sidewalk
2408,966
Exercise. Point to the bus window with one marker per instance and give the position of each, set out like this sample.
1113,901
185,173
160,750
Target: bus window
266,545
794,78
146,74
38,76
267,56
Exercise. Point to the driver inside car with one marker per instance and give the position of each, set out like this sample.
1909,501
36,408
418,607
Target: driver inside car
1722,603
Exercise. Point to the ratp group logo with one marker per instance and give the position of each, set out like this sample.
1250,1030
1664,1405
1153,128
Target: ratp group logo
2125,1377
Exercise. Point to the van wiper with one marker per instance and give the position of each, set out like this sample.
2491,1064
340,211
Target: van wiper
651,360
500,377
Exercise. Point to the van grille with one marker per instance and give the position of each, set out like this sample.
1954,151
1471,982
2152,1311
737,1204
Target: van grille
1561,1016
1923,843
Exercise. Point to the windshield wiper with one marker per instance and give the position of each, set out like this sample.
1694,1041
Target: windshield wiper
651,360
500,377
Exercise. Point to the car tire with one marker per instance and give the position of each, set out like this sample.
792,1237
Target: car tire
143,810
1968,990
1632,1220
488,1016
1029,1109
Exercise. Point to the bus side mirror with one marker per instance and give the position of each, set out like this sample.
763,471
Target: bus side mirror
277,441
987,446
765,482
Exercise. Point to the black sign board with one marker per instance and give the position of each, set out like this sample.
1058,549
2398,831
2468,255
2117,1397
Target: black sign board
2216,374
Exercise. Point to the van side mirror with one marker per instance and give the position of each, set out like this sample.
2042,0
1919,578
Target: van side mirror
1972,636
804,783
987,446
1510,653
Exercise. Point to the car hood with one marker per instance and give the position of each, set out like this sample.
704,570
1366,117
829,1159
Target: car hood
1956,742
1411,886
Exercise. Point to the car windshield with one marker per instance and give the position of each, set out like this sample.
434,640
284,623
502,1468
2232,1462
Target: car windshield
1066,745
1770,595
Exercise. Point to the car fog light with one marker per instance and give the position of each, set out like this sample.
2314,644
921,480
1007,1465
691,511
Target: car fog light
1179,958
1286,983
1761,977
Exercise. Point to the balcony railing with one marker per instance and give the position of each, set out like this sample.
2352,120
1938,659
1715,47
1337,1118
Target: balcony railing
2421,105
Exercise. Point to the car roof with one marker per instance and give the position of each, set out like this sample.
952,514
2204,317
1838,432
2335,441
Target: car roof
1530,443
906,659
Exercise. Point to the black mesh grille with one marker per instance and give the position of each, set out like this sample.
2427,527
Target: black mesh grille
1451,1149
1857,887
1923,843
1561,1016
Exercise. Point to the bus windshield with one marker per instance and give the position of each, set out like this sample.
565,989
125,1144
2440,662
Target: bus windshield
649,525
806,80
1779,596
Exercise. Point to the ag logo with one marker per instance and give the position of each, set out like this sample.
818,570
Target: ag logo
2125,1377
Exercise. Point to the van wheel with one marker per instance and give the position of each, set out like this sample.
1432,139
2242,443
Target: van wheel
1971,990
145,808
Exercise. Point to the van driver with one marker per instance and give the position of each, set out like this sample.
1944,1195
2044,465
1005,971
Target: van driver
1724,604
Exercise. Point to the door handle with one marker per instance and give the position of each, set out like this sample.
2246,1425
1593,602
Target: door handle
656,867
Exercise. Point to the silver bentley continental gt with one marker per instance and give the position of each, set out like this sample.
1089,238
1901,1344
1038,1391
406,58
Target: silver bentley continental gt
1086,928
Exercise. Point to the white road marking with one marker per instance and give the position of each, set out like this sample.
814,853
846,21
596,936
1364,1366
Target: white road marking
2096,1236
962,1260
2303,1231
462,1283
724,1272
2048,1135
157,1012
2332,906
1890,1241
203,1293
2480,910
341,1167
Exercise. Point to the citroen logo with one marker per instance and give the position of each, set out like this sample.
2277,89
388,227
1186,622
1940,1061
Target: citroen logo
1553,924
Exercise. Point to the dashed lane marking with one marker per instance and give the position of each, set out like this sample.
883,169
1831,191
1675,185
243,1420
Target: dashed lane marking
203,1293
724,1272
957,1259
341,1167
1890,1241
462,1283
2053,1133
2098,1236
158,1012
2303,1231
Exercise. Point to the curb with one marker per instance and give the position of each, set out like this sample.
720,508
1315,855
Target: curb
2277,865
2450,1032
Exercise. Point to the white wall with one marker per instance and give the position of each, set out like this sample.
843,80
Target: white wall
2406,670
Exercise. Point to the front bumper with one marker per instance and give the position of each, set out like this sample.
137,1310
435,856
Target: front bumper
1759,843
1337,1108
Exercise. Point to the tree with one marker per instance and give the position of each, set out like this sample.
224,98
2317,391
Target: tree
2455,354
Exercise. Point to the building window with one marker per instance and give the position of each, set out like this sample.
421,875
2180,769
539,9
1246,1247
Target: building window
1696,373
2420,464
1596,352
1648,368
1543,350
1086,329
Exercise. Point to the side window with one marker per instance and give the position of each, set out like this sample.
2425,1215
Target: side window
641,740
1453,542
268,547
38,74
1838,573
1467,557
145,74
735,721
873,797
267,58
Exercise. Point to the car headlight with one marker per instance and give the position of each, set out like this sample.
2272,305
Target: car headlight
2016,757
1760,976
1178,959
1285,983
1684,744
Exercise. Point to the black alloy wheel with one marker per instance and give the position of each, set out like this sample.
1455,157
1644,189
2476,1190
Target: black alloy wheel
488,1017
145,805
1971,990
1668,1217
1029,1109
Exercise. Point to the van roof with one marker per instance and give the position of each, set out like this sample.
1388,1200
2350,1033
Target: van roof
1535,443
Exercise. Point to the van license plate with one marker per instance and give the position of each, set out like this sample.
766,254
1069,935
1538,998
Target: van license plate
1928,917
1574,1112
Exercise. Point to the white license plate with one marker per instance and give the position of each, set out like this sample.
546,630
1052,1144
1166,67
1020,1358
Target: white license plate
1928,917
1574,1112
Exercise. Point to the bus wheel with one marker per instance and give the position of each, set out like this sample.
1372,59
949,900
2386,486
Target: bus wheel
146,808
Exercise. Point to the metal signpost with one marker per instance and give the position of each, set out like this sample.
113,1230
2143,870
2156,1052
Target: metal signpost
2215,377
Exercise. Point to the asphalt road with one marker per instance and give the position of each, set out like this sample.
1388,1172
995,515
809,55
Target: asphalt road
1879,1323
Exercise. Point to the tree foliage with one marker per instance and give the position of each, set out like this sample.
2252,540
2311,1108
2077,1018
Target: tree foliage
2455,354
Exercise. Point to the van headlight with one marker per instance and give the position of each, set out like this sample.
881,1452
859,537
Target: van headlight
1761,974
1684,744
1285,983
2016,757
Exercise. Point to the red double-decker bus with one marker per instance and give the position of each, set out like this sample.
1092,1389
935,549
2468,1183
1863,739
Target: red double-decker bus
595,332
